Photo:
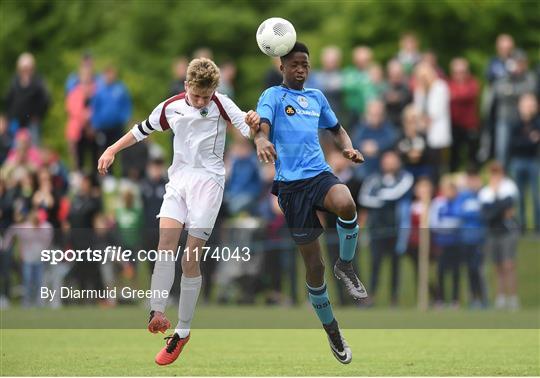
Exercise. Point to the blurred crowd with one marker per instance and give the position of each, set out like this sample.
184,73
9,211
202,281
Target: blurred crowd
451,164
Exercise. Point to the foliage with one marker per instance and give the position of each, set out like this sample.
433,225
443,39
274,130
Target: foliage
143,37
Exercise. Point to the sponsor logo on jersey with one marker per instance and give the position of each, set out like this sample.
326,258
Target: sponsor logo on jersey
289,110
311,113
204,112
302,101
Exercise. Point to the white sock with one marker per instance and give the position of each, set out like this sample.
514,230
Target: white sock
189,293
162,279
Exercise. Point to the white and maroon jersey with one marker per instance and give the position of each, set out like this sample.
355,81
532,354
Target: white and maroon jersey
199,134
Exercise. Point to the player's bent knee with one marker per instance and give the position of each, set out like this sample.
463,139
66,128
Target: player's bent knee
346,210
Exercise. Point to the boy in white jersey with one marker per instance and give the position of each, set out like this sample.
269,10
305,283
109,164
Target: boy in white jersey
198,118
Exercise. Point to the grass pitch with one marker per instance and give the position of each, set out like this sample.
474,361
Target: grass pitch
260,352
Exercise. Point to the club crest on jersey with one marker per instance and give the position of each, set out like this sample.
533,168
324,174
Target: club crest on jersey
204,112
289,110
302,101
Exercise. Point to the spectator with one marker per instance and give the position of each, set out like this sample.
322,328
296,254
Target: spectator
25,187
134,160
44,198
472,235
445,225
244,181
431,99
464,92
7,199
79,133
420,206
329,79
227,77
430,58
179,70
111,110
105,274
377,84
85,204
5,139
386,195
373,137
409,54
33,235
273,76
413,145
129,219
203,52
276,248
524,156
507,92
152,191
58,171
498,200
396,95
27,99
498,65
86,65
24,156
356,85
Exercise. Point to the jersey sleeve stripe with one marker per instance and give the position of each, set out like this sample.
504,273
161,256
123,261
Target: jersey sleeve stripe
148,125
163,118
221,108
141,129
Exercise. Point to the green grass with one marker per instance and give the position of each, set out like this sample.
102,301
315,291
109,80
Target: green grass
272,352
384,342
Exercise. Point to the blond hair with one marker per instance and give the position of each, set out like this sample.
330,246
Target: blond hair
202,73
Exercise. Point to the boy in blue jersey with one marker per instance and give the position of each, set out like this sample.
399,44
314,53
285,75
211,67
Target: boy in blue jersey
291,116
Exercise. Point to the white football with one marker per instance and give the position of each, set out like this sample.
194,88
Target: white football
276,37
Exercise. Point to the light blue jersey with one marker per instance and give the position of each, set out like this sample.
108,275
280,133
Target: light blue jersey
295,117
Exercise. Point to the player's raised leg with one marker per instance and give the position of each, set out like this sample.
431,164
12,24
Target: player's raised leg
163,274
339,201
318,295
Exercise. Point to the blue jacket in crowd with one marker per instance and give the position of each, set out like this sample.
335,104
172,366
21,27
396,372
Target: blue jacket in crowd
245,177
445,221
111,106
472,227
388,199
385,136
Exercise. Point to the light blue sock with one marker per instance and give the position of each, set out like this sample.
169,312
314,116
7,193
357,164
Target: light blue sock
319,299
348,237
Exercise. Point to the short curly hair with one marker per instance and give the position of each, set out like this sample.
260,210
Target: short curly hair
202,73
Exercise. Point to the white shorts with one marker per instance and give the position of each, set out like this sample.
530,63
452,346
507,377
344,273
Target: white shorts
194,199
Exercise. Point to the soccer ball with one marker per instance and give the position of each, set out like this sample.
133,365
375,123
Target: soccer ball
276,37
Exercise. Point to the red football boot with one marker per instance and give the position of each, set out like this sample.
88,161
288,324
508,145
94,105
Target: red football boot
172,350
158,322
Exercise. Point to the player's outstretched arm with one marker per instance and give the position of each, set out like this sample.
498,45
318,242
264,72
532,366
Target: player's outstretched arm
343,141
106,160
253,121
265,149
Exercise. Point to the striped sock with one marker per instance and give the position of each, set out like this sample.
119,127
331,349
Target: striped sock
348,237
319,299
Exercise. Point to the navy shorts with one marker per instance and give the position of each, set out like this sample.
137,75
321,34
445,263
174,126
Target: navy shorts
299,200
